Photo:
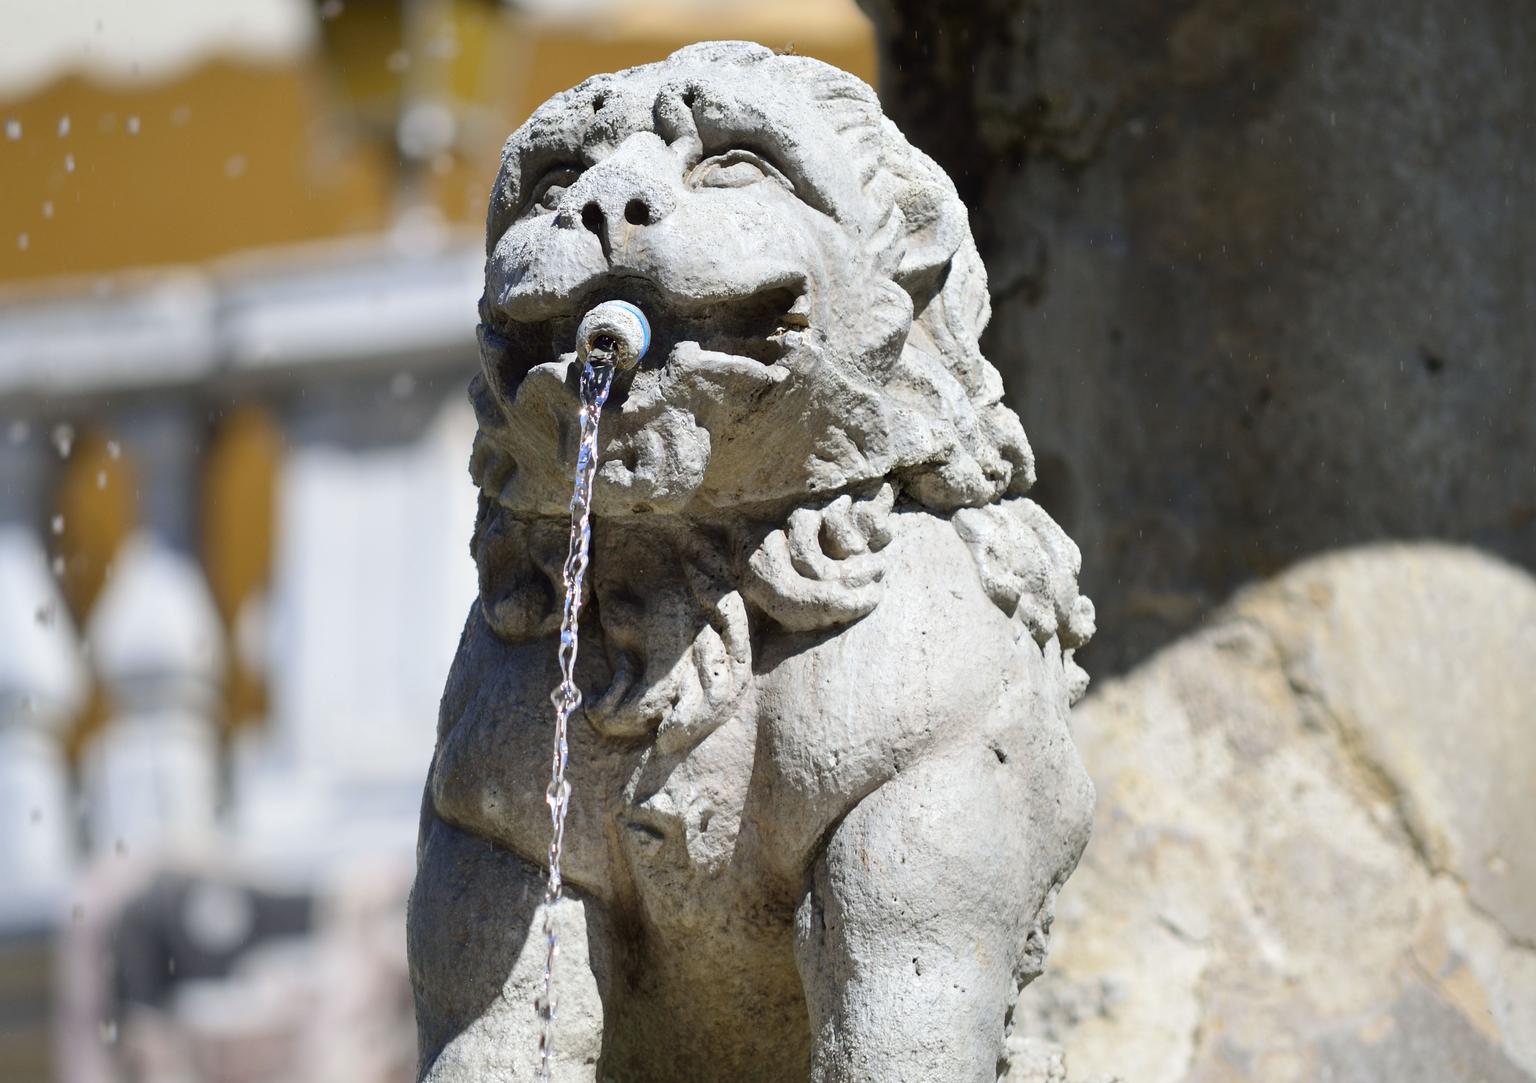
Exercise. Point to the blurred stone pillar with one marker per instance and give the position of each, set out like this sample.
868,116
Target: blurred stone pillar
371,577
1262,274
42,685
152,776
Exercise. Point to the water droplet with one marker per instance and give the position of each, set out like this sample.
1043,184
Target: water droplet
63,125
47,208
69,163
13,129
133,125
58,525
22,241
109,1031
45,614
181,114
58,566
64,439
398,61
101,479
234,166
331,9
19,432
37,816
114,450
402,385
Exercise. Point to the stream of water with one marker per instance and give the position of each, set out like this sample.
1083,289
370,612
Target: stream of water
614,335
596,382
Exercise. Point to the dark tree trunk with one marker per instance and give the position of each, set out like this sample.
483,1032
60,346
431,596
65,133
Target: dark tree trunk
1264,272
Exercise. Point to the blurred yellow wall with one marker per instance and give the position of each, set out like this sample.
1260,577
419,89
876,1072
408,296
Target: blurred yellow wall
230,156
224,158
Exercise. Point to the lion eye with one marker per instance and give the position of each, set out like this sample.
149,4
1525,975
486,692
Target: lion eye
733,169
551,187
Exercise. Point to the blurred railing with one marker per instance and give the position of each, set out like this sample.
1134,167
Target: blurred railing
359,356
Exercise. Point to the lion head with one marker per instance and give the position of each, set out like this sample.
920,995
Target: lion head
816,301
810,277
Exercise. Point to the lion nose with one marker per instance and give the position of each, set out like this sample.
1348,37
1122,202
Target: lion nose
604,220
637,212
619,208
625,192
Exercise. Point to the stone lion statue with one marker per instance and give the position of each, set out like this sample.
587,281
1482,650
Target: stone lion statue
823,789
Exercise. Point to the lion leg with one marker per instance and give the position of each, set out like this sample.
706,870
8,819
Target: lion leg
476,946
911,938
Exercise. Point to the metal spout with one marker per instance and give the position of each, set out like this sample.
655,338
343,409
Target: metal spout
613,333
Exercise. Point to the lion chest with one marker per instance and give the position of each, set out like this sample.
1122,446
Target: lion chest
711,755
842,713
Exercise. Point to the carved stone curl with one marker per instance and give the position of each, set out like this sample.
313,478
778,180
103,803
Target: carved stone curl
823,790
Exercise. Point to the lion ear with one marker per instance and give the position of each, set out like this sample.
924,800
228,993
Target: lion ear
935,224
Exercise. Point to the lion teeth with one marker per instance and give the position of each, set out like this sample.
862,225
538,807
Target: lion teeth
799,313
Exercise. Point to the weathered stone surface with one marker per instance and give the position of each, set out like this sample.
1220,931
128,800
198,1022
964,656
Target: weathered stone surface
824,795
1312,852
1261,273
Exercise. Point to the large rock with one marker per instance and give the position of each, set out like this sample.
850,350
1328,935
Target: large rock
1312,855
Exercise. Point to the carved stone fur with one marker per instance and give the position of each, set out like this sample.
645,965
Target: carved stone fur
823,790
